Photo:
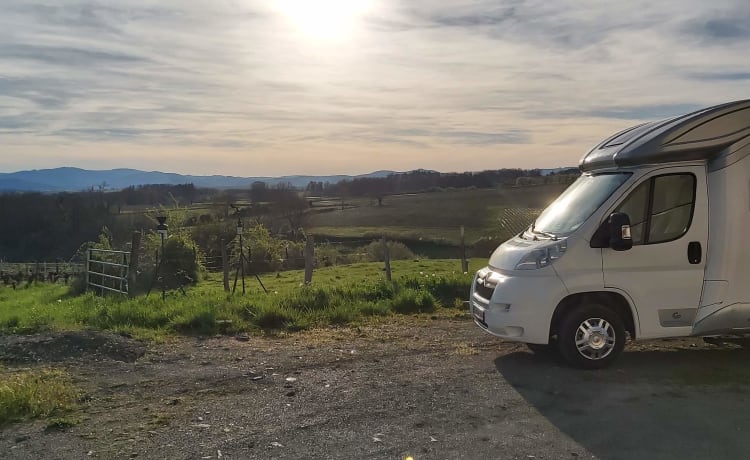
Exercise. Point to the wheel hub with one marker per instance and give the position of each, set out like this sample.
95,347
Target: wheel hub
595,338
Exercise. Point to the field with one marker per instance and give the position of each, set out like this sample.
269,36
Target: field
433,216
338,295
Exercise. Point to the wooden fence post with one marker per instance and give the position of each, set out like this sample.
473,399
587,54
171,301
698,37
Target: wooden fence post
309,259
386,259
464,262
135,255
225,265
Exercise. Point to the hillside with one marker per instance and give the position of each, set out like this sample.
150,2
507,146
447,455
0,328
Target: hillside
75,179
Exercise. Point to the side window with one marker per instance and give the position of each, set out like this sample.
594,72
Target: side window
660,208
636,207
672,208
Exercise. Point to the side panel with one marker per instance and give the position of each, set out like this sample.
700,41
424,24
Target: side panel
662,282
727,285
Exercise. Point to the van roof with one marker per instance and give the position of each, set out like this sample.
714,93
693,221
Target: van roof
700,135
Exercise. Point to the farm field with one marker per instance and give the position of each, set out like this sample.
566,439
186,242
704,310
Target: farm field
433,216
338,295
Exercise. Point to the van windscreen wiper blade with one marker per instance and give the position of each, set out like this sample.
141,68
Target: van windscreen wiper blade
551,236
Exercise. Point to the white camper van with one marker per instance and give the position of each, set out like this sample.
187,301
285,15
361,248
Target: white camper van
651,241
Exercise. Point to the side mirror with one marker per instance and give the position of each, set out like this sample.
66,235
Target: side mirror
619,232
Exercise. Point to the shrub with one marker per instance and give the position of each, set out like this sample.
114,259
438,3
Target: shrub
412,301
397,251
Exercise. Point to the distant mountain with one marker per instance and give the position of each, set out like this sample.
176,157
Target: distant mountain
75,179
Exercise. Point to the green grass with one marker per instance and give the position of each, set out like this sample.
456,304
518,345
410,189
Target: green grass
338,296
36,393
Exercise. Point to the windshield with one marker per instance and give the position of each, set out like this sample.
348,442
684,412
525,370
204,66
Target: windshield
571,209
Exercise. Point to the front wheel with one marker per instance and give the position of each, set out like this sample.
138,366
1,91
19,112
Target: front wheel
591,336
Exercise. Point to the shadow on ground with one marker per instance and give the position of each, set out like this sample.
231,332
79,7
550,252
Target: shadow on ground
676,404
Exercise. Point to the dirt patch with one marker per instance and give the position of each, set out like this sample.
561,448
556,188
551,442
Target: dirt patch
69,346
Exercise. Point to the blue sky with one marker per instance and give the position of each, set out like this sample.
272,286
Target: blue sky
248,87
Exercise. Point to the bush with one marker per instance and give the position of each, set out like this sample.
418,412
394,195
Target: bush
397,251
412,301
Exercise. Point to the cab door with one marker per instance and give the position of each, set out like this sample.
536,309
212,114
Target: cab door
663,272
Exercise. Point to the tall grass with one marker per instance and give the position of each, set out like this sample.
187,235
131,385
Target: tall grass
338,296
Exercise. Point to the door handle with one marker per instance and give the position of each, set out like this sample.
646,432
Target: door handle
695,252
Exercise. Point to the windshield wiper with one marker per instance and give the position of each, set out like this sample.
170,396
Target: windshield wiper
551,236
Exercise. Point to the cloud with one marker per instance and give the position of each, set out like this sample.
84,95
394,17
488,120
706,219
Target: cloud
721,76
417,83
643,112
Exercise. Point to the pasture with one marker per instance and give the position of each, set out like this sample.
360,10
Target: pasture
338,296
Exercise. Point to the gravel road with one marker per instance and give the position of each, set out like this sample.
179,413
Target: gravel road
429,388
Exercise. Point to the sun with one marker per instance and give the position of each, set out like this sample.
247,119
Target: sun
328,20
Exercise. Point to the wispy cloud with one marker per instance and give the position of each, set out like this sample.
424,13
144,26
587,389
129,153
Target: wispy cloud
213,86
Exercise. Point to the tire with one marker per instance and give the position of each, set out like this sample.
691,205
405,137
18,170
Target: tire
591,336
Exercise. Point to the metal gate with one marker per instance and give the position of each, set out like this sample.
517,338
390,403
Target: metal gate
108,270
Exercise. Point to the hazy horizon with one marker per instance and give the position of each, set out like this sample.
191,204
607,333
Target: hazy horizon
293,87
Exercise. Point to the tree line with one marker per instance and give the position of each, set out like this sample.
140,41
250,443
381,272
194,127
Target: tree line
423,180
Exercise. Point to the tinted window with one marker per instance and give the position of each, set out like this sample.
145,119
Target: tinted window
672,208
636,206
660,208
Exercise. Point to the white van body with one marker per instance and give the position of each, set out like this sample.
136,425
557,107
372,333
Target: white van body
684,184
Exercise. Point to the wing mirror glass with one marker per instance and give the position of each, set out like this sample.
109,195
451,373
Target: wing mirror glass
619,232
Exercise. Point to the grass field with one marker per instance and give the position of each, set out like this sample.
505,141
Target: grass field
338,295
433,216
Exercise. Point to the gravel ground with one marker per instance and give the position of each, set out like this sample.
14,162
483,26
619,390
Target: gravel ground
427,388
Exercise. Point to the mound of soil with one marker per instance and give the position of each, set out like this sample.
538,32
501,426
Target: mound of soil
65,346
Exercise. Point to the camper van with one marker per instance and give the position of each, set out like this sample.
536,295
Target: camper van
651,241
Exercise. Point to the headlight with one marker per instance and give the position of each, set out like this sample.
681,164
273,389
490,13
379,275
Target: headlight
540,258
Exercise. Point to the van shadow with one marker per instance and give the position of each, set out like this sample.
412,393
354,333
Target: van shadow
680,404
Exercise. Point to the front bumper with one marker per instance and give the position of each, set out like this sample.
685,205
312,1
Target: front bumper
520,308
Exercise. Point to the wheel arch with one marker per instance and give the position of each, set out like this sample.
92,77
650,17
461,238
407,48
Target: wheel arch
614,300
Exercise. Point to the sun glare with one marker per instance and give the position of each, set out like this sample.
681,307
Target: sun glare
325,19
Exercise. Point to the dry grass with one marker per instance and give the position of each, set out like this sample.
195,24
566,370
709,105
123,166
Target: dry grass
30,394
